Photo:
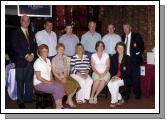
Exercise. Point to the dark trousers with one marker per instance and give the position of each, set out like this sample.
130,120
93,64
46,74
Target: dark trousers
136,78
24,78
51,57
89,54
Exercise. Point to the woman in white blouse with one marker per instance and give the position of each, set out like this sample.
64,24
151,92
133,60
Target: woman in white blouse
100,65
42,77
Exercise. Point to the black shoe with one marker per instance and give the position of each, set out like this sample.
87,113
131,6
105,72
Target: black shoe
29,101
21,105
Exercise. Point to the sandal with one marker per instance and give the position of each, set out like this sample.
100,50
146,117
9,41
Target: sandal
112,105
95,101
91,101
80,101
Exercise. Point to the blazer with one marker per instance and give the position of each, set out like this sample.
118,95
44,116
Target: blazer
125,68
136,46
21,47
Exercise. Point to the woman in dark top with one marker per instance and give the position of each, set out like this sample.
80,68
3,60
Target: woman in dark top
120,73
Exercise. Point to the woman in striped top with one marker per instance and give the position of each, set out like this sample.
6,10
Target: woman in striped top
80,67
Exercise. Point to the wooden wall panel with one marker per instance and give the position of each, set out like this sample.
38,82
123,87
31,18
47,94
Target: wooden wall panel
141,18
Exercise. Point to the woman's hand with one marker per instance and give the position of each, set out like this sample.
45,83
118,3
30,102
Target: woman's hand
114,78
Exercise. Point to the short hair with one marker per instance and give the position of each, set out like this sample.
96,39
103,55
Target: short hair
60,45
49,21
41,47
91,22
127,23
68,25
111,24
98,44
120,44
24,16
78,45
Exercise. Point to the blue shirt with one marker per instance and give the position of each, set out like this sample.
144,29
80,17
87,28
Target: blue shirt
69,43
89,41
110,41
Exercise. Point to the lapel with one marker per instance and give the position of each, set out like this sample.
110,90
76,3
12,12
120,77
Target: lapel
23,36
122,65
131,41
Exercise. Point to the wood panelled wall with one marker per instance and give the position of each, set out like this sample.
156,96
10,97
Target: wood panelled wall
142,19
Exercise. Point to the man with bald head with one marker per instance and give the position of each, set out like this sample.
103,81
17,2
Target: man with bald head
25,48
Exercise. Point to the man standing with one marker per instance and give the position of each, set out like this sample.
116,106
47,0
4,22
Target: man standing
110,40
48,37
69,40
90,38
135,48
25,48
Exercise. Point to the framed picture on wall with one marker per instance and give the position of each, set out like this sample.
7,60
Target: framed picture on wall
35,10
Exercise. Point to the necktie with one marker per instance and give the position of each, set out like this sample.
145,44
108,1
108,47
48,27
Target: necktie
126,44
27,35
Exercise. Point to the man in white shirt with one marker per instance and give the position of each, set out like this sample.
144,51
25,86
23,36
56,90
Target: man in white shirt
110,40
48,37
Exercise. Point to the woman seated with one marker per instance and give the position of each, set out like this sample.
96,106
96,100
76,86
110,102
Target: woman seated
120,73
100,64
80,67
60,72
42,77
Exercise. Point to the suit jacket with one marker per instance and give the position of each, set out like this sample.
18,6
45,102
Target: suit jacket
125,68
136,46
21,47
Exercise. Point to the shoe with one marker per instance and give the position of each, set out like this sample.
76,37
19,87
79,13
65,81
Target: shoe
95,100
120,102
91,101
21,106
70,106
112,105
80,101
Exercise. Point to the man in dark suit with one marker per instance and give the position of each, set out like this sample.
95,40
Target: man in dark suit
25,48
135,49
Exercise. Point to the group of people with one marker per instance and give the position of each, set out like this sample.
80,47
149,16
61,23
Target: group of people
69,67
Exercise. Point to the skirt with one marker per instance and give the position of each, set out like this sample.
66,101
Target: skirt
71,86
96,77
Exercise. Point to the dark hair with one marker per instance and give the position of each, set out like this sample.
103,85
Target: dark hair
49,21
120,44
69,25
98,43
79,44
127,23
42,46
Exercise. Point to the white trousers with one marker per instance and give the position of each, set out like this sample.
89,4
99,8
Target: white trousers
86,84
113,87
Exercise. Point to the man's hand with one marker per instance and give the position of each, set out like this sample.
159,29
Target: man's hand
29,58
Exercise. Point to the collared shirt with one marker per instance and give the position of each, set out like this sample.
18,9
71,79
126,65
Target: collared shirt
128,43
69,43
50,40
110,41
81,65
89,41
44,68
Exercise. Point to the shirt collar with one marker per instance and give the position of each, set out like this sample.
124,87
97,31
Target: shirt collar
78,56
23,29
41,59
129,35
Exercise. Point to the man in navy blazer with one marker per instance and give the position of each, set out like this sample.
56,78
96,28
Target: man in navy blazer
25,52
135,48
